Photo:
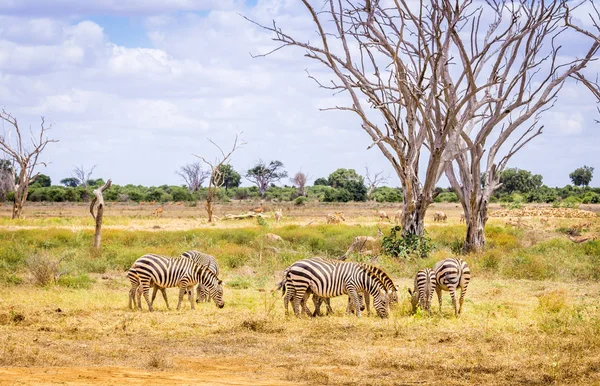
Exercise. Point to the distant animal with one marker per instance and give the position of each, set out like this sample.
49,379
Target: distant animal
363,243
258,209
273,237
439,216
398,216
278,215
423,290
451,274
158,212
335,218
581,239
462,217
179,203
382,214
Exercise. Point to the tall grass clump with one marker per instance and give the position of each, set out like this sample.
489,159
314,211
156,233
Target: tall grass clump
43,268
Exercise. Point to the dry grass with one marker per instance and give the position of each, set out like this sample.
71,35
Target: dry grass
525,332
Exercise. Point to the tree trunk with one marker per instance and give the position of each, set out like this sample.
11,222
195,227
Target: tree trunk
98,235
208,206
20,198
476,220
414,206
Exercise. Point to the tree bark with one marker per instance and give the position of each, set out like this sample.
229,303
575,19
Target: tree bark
475,238
99,201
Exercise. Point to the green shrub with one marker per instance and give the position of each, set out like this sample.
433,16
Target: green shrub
446,197
300,200
80,282
411,245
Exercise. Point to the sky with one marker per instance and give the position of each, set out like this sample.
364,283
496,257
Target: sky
138,87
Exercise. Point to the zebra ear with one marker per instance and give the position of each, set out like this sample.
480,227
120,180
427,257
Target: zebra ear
220,282
410,291
397,287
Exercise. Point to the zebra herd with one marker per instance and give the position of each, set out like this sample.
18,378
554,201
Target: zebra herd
317,276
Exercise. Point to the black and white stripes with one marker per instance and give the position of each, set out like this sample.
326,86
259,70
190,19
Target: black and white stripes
451,274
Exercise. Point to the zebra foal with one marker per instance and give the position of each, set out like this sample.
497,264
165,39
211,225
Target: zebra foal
205,260
184,273
422,294
451,274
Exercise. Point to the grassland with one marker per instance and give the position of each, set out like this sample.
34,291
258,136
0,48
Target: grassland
531,316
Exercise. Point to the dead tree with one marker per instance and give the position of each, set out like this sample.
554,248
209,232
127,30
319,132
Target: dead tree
512,74
594,34
81,174
193,175
299,181
98,201
391,59
216,179
373,181
7,179
24,156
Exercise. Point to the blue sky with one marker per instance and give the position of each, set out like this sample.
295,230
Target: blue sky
137,87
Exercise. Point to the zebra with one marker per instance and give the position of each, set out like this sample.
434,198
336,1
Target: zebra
386,280
327,279
423,291
167,272
205,260
450,274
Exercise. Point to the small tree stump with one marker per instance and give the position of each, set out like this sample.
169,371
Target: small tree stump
99,200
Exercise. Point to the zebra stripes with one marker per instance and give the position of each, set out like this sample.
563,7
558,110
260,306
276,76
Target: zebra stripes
327,279
184,273
422,293
451,274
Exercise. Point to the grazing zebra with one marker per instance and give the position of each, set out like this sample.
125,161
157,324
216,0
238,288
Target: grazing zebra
450,274
204,260
167,272
137,290
423,291
388,284
328,279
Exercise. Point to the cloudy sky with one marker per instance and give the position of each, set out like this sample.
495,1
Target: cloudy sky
137,87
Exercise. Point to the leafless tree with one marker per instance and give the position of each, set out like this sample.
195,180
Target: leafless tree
392,59
374,181
24,155
7,179
594,34
83,175
193,175
520,55
299,181
98,202
216,179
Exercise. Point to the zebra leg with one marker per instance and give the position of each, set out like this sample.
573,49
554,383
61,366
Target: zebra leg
438,291
191,296
349,307
298,296
453,295
305,308
138,295
367,299
317,303
146,288
132,292
328,304
354,296
154,290
463,291
164,294
182,291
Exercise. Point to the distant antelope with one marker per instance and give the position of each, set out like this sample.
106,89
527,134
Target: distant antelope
258,209
439,216
278,215
368,244
179,203
398,216
335,218
462,217
382,214
158,212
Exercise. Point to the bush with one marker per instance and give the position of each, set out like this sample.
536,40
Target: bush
591,198
386,194
446,197
43,267
300,200
412,245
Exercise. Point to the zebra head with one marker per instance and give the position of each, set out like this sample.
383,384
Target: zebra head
380,302
216,293
414,299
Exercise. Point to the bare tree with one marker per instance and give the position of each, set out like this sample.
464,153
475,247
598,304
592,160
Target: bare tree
24,155
193,175
374,181
83,175
392,60
594,16
216,179
520,54
299,181
264,175
98,202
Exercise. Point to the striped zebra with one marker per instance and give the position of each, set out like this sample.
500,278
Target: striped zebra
422,294
328,279
207,261
388,284
167,272
450,274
